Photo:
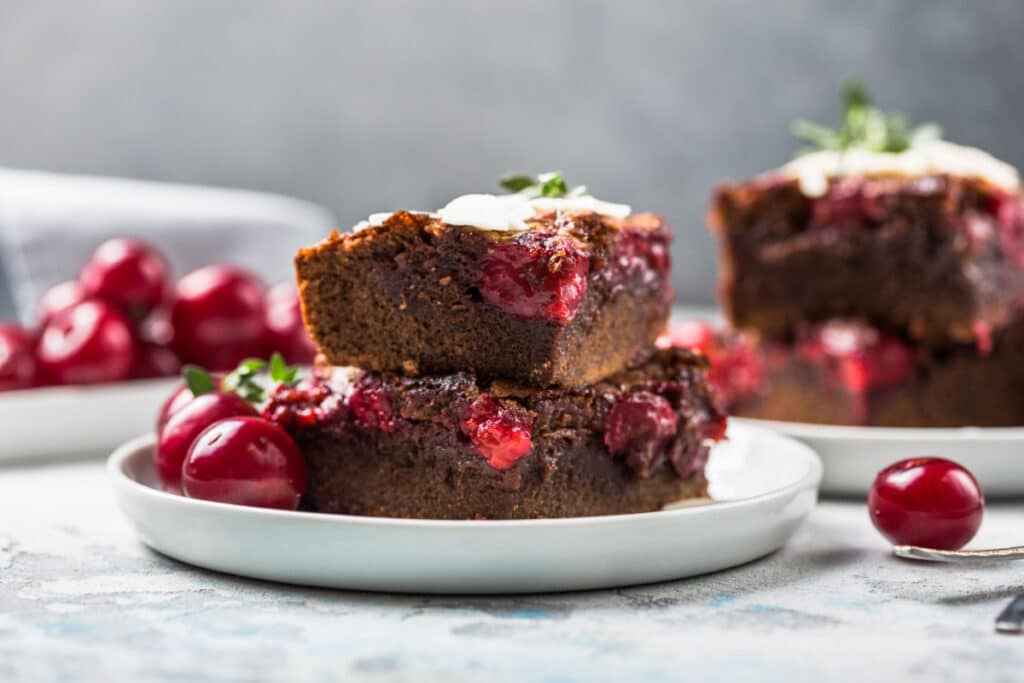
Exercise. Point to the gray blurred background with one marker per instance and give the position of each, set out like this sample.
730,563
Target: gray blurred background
367,106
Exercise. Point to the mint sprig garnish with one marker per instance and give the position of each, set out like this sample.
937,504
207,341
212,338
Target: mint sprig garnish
198,380
864,127
550,184
244,380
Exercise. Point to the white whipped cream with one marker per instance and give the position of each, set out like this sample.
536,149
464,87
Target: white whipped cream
506,212
925,158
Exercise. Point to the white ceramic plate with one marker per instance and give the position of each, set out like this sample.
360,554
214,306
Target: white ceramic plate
764,483
59,422
853,455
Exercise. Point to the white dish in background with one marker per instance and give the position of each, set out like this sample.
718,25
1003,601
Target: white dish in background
64,422
852,456
765,485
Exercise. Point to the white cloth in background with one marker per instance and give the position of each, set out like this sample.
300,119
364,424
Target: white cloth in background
50,223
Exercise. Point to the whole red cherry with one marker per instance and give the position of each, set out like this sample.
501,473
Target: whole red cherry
126,273
179,398
184,425
245,461
17,362
86,344
929,502
153,360
217,317
286,329
58,299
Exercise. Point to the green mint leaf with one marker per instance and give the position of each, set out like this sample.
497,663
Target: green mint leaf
863,127
516,183
253,364
198,380
278,369
552,184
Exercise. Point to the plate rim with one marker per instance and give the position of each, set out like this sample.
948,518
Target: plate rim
809,430
134,448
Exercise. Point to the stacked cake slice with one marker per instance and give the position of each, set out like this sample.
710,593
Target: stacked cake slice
878,281
496,360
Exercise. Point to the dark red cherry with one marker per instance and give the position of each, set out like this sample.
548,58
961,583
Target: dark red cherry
500,431
245,461
17,361
89,343
286,329
309,403
638,426
929,502
184,425
371,406
178,399
153,360
58,299
126,273
217,318
536,276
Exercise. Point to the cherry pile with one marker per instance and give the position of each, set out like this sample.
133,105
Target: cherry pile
212,443
123,318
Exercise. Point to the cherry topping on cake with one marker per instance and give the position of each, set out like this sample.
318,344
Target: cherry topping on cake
737,368
310,402
245,461
126,273
58,299
863,358
536,276
371,405
500,431
1009,213
185,425
638,426
89,343
17,364
644,252
695,335
848,204
287,331
929,502
218,317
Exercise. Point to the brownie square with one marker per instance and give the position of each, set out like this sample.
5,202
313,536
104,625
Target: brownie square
567,302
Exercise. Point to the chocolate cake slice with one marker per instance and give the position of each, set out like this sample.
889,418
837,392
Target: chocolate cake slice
545,292
920,237
459,447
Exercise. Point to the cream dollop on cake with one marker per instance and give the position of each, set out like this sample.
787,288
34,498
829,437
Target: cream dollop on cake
928,157
506,212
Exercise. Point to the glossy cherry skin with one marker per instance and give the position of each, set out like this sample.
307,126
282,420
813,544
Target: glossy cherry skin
87,344
17,361
929,502
126,273
186,424
218,318
285,328
178,399
58,299
245,461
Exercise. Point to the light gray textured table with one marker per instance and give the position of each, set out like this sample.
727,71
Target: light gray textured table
82,599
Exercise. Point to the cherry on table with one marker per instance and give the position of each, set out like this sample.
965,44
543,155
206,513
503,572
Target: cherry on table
86,344
245,461
126,273
17,361
929,502
186,424
285,327
218,317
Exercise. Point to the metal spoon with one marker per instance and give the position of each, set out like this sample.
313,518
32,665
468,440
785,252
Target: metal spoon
1011,619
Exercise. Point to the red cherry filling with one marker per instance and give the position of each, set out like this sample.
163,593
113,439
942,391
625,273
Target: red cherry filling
86,344
695,335
638,426
643,252
1009,213
126,273
536,276
499,431
861,357
371,406
17,365
929,502
737,367
245,461
309,403
184,425
848,204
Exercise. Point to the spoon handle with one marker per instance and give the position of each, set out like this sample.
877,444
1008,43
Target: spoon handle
913,552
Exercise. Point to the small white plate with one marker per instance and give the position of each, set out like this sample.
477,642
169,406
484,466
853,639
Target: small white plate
61,422
853,455
764,483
